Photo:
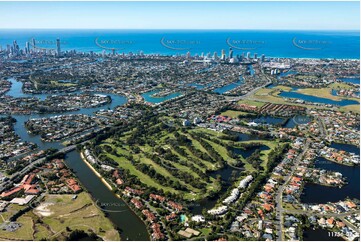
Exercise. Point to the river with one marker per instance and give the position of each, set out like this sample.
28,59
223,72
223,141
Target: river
130,225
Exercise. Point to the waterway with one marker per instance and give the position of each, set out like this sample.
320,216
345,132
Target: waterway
229,87
287,73
319,235
314,99
227,175
245,153
250,70
309,98
196,86
311,193
285,122
148,96
130,225
297,120
354,80
267,119
132,228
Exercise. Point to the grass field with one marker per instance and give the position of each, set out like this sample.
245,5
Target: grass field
233,113
56,83
56,213
352,108
322,92
180,156
271,95
251,103
339,86
221,150
124,155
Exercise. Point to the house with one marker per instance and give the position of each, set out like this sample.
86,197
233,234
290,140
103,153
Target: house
150,216
138,204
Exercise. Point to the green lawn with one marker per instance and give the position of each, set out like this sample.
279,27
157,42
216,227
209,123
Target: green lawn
251,103
126,164
50,222
233,113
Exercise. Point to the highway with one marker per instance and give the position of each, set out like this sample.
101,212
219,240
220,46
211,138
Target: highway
246,96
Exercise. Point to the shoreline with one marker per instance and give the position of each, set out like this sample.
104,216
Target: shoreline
96,172
110,188
340,163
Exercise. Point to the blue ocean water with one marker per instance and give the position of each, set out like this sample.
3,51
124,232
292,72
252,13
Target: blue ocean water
272,43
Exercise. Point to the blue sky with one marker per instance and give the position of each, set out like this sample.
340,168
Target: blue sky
181,15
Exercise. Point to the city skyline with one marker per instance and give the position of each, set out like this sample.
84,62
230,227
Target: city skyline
183,15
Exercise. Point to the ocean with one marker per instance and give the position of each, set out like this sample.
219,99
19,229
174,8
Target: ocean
271,43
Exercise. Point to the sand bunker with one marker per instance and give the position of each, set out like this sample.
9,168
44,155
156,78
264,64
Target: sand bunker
43,209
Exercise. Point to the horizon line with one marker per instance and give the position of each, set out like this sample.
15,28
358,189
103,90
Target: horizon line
225,29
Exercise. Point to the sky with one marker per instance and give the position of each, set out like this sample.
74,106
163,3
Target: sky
181,15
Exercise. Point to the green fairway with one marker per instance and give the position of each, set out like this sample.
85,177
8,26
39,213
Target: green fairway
177,160
50,221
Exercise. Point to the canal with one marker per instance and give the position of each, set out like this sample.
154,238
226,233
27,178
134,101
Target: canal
149,96
319,235
311,192
130,225
314,99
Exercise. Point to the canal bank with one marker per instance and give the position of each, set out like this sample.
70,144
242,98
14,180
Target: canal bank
131,227
96,172
334,194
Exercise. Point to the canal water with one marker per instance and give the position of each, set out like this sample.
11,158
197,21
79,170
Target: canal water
130,225
309,98
284,122
196,85
297,120
319,235
267,119
311,193
314,99
250,70
355,80
226,174
245,153
148,96
229,87
286,73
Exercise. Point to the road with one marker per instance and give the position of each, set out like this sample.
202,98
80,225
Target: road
279,207
322,127
31,166
246,96
340,216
